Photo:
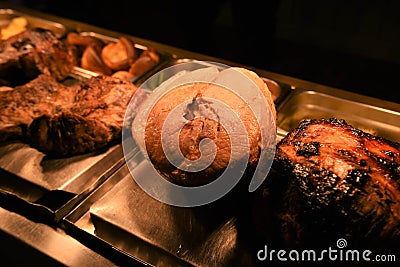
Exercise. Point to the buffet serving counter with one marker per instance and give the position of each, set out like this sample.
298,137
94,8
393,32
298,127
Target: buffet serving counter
87,210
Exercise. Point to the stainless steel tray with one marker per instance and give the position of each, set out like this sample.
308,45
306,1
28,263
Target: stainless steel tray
306,104
51,187
119,217
6,15
123,217
46,186
164,57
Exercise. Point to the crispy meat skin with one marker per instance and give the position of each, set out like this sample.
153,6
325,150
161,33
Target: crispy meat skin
65,120
26,55
330,180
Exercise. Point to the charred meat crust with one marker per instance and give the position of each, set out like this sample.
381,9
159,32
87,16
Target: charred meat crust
330,180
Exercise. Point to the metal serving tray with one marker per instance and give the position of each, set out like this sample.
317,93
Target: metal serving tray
6,15
164,57
47,186
51,187
121,218
304,104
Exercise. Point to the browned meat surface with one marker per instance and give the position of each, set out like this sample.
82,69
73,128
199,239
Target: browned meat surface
65,120
26,55
92,122
26,102
330,180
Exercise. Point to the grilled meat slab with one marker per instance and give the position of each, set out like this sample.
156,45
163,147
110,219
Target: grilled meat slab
92,122
34,51
20,106
331,180
65,120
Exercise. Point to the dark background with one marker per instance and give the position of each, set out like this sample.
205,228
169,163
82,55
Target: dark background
352,45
